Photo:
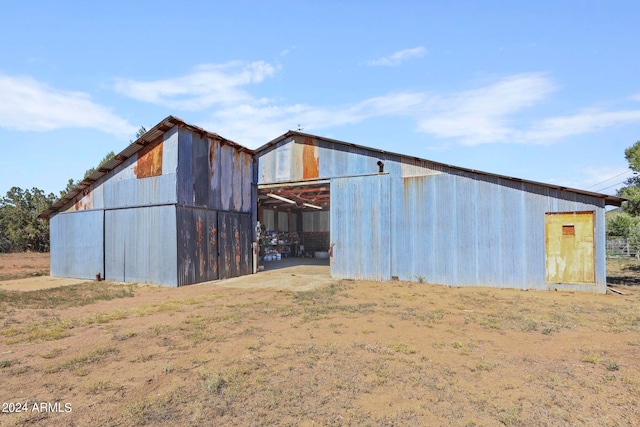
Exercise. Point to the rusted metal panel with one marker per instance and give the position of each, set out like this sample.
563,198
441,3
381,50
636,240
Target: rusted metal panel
141,246
226,177
197,245
247,182
234,239
77,244
186,180
237,179
215,173
149,161
310,159
360,227
200,171
570,247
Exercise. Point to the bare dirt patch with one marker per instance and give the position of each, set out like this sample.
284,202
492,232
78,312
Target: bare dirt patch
343,353
23,264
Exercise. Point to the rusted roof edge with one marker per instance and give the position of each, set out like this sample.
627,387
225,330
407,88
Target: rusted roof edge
151,135
608,199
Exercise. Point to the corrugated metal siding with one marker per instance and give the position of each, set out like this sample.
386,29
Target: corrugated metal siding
456,230
122,188
313,221
360,227
310,158
77,244
234,243
141,245
197,245
213,175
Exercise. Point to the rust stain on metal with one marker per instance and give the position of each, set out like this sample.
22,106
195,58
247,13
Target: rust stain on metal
213,251
238,256
149,160
84,200
201,262
309,159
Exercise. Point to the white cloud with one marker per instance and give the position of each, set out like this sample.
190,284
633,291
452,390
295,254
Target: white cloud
635,97
482,115
270,121
206,86
488,114
30,105
398,58
589,121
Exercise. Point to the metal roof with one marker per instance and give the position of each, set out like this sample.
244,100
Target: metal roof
609,200
150,136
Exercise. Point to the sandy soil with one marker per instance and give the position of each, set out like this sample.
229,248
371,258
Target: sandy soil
251,351
24,264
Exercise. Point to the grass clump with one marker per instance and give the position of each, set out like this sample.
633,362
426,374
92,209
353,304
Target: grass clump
65,296
93,356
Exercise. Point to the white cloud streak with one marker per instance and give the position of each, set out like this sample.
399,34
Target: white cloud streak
398,58
488,114
29,105
555,128
206,86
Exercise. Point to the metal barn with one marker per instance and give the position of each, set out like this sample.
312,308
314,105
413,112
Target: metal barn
182,205
173,208
392,216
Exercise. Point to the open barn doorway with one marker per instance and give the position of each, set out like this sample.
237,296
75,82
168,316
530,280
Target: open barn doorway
294,227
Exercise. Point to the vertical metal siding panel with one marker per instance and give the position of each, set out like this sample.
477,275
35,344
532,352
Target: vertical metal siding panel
238,177
140,192
360,227
77,245
226,177
200,172
247,183
170,152
214,175
185,168
235,231
141,245
197,245
466,207
246,252
446,233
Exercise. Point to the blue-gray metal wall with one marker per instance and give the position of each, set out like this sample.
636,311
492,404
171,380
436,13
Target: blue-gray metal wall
481,231
140,245
447,225
154,220
361,227
77,244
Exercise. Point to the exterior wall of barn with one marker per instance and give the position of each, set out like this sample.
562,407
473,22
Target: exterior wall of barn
214,211
177,212
106,228
424,221
482,231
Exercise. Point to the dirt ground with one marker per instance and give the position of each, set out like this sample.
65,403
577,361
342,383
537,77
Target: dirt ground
25,264
308,350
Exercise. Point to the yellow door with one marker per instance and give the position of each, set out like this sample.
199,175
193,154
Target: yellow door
570,247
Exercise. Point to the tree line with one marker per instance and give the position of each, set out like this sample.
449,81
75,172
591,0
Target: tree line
20,228
624,223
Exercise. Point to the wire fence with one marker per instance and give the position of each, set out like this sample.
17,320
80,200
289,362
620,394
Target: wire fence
621,248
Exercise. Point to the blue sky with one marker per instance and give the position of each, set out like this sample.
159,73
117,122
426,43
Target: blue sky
547,91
